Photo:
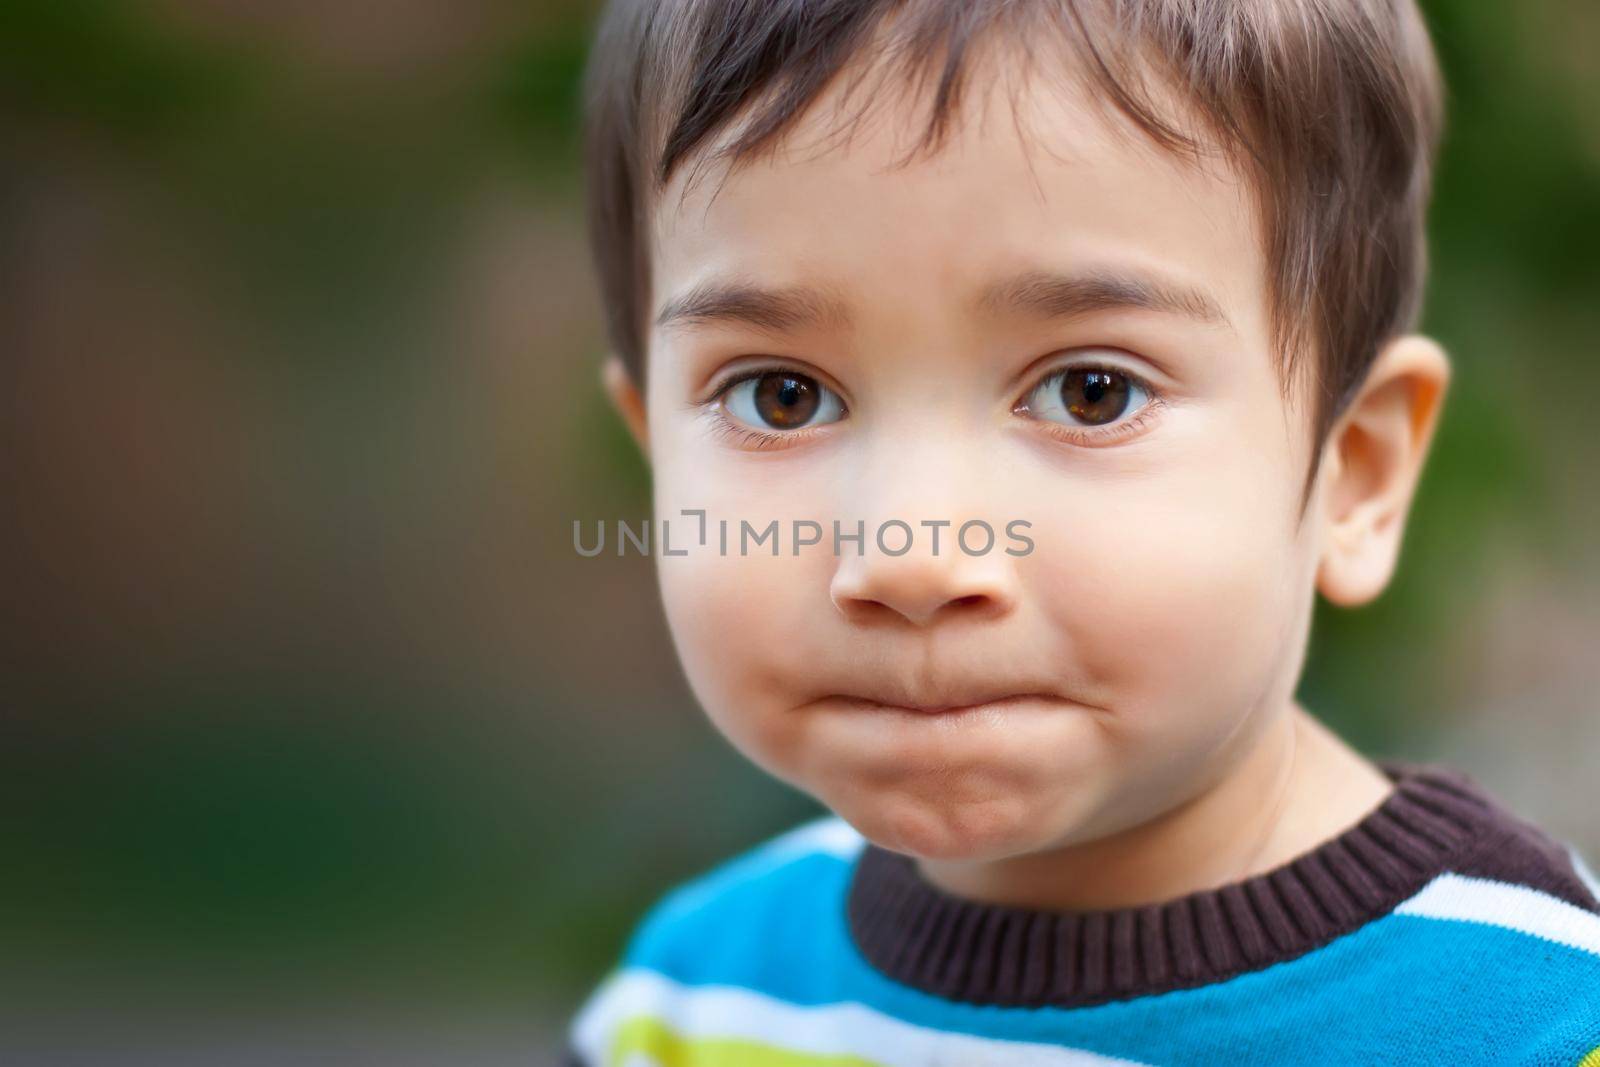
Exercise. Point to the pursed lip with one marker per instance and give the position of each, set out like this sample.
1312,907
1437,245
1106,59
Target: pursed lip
948,707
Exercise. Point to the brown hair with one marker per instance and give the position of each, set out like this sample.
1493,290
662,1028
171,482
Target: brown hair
1330,107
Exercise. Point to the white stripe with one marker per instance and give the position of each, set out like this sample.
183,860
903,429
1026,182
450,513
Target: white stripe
1515,907
1585,875
844,1029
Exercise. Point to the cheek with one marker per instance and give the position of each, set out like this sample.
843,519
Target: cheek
729,616
740,622
1180,598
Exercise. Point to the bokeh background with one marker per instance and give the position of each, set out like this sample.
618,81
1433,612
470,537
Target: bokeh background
317,734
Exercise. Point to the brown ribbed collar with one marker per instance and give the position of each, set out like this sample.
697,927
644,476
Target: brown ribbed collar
925,937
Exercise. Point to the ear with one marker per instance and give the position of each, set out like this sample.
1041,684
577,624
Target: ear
625,397
1375,459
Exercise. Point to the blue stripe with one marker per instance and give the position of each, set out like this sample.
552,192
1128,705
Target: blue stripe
1469,991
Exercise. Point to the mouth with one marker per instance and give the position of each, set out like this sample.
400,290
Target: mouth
937,708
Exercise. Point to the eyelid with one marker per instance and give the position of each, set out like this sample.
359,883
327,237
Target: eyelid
1102,437
775,365
759,440
737,378
1061,360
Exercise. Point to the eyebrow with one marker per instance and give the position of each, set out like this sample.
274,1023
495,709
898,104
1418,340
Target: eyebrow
1049,294
1044,294
776,310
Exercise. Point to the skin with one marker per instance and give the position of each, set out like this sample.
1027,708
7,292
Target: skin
1152,640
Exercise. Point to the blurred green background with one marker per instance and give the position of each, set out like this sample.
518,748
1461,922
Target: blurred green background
315,728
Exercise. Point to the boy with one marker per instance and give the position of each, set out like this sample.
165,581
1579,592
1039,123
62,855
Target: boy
1140,296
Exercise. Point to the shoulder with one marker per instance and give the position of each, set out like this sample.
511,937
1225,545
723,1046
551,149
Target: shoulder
1516,920
783,877
827,839
771,911
1511,851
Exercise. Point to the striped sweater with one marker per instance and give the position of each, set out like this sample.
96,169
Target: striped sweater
1440,928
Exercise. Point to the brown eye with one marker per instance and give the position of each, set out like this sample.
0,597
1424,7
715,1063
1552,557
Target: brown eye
785,401
781,400
1086,396
1094,396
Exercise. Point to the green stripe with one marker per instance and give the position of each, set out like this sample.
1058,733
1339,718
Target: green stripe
646,1035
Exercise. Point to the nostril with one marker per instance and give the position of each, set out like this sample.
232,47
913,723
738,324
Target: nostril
863,609
896,592
866,608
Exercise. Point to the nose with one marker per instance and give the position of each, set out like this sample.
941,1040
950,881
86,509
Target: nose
921,585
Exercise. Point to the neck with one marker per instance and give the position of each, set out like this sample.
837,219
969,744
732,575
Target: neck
1297,786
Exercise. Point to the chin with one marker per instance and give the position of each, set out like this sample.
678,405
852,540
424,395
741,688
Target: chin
949,832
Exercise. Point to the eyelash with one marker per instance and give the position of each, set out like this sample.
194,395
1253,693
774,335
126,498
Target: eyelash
725,429
755,440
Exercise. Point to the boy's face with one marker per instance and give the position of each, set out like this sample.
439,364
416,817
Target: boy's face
1158,624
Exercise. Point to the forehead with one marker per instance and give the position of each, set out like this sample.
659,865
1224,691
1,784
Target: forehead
1036,173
